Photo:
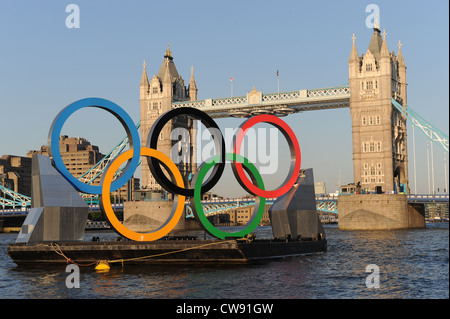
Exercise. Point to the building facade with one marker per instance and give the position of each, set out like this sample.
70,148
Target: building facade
15,173
241,216
156,97
379,130
79,155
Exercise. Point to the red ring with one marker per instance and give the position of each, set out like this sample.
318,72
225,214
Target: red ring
293,144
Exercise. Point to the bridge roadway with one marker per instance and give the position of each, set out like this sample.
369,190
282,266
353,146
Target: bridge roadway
214,206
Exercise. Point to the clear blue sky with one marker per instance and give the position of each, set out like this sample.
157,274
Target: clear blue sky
45,66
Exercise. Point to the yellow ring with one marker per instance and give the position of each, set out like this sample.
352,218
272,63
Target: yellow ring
105,201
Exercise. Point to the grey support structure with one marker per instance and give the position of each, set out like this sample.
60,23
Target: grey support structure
58,213
294,215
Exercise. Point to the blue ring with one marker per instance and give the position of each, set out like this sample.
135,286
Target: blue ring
125,120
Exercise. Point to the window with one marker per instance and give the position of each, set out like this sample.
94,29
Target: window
369,67
378,120
379,165
155,89
362,85
366,165
363,120
372,171
155,105
371,147
369,85
376,84
371,120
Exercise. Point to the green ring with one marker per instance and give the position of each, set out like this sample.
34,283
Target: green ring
198,209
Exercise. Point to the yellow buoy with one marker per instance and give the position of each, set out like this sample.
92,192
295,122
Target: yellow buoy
102,266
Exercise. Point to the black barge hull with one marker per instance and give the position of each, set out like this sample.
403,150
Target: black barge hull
162,251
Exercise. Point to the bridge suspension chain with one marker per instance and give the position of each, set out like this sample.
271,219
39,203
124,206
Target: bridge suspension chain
430,131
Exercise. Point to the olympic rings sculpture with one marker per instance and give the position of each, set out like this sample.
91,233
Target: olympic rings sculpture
175,184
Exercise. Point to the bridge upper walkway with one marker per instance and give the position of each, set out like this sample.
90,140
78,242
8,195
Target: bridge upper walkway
282,103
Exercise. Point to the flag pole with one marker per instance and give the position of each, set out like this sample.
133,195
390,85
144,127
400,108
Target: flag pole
231,80
278,80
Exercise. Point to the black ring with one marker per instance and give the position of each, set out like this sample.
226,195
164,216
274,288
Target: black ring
152,142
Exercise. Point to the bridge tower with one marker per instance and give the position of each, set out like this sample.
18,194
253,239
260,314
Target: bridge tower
378,128
156,97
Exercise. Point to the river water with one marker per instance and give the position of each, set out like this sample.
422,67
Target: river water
412,264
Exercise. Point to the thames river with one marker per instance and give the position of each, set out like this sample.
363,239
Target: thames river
412,264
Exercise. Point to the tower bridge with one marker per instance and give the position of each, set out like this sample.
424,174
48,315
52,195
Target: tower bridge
376,96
